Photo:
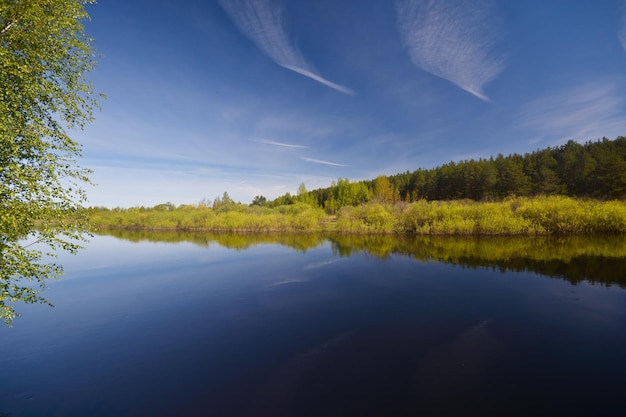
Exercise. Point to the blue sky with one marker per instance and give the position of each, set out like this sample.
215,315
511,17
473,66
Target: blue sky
255,97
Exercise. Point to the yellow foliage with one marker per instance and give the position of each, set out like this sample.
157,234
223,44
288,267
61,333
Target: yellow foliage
513,216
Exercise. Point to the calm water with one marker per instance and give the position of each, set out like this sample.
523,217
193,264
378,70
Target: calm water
194,325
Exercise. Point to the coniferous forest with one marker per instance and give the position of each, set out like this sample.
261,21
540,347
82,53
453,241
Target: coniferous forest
593,170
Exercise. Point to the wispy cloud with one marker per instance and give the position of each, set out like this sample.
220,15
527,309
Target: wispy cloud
262,22
284,145
622,25
586,112
322,162
452,39
320,79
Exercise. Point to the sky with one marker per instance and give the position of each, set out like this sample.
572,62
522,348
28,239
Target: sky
256,97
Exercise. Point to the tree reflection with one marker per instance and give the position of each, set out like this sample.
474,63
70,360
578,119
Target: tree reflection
599,259
237,241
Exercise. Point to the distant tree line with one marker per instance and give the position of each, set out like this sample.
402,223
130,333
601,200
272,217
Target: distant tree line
594,170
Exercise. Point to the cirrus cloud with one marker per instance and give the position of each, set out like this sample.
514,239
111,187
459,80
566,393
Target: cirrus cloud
262,22
452,39
322,162
281,144
584,112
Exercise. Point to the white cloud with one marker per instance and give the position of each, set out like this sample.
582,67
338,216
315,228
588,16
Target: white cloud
262,22
285,145
322,162
452,39
320,79
586,112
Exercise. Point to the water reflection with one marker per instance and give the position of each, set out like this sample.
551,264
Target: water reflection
237,241
596,259
244,325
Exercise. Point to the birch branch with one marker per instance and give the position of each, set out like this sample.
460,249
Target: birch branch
7,27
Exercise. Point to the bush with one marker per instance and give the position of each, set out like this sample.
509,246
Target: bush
514,216
367,218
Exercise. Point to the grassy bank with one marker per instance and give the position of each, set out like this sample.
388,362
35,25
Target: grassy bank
513,216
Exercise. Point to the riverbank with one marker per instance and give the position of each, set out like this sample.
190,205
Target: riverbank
513,216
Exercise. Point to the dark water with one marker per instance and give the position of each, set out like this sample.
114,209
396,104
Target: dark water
196,325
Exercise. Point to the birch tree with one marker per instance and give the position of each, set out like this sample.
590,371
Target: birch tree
45,55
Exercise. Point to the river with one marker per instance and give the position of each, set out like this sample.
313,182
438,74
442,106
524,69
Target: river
175,324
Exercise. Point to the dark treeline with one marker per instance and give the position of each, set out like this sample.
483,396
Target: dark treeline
594,169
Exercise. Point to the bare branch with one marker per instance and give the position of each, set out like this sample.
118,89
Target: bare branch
7,27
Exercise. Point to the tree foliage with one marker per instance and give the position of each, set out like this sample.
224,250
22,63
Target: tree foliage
305,197
44,57
259,200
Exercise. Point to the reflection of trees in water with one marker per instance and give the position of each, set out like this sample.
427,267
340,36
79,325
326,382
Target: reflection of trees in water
170,236
238,241
597,259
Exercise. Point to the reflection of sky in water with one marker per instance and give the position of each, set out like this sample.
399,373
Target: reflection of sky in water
178,329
